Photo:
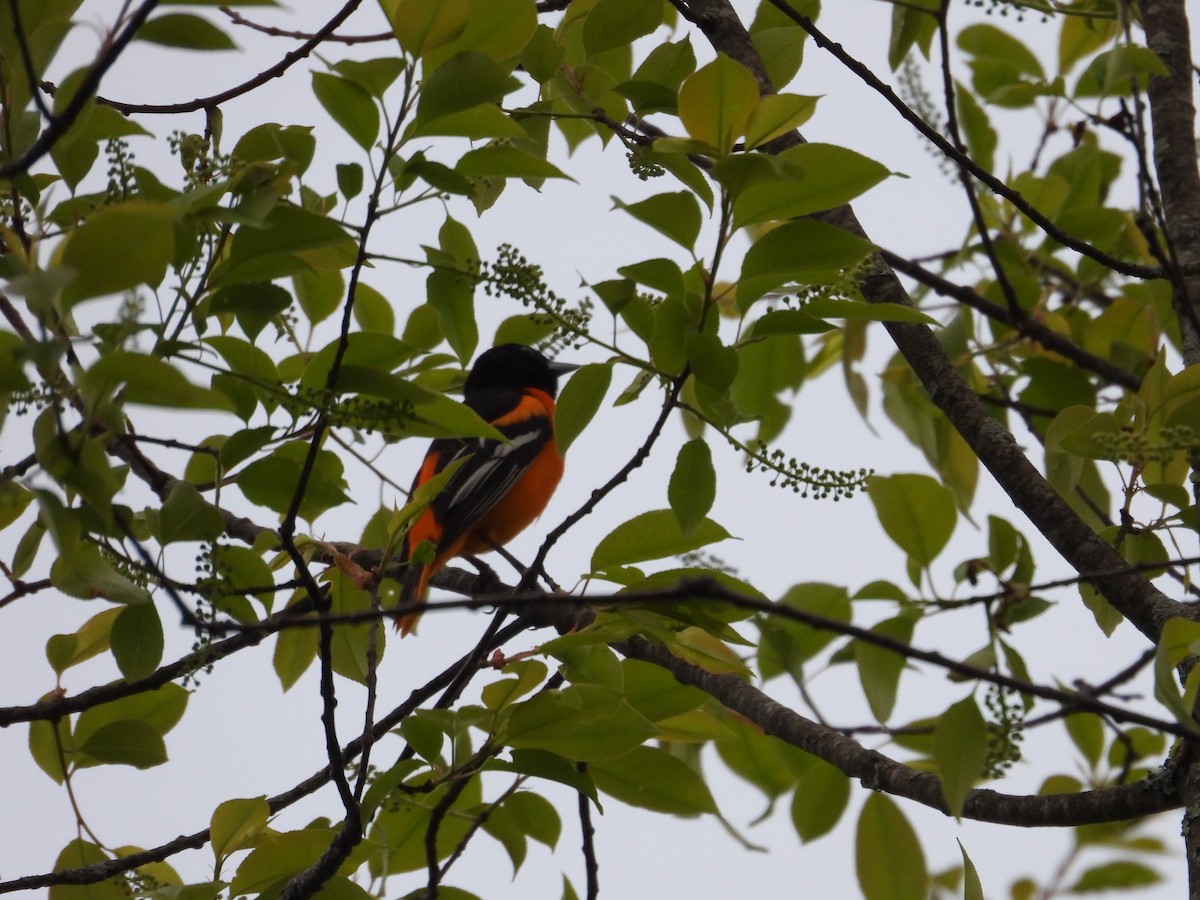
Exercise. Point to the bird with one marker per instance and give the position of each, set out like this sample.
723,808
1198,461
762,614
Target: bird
501,486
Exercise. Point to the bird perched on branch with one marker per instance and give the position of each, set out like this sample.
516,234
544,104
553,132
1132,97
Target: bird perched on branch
500,487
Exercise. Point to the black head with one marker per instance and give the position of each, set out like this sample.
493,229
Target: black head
515,366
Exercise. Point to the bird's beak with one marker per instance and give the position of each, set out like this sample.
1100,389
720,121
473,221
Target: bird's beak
561,368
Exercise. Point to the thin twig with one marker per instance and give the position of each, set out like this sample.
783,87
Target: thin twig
588,842
990,181
258,80
238,19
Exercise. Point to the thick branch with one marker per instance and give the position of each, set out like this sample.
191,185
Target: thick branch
929,133
1027,327
91,874
1136,599
1173,123
879,773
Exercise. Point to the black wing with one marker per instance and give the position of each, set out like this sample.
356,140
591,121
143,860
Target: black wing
492,467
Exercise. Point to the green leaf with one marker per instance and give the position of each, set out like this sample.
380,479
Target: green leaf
821,797
617,23
506,161
349,105
879,669
655,84
989,42
697,646
374,75
528,329
536,817
889,860
676,216
187,516
451,287
788,321
126,743
291,240
159,709
137,640
777,114
660,274
43,746
279,857
352,643
713,364
762,760
295,650
583,722
463,82
236,823
187,31
66,650
977,127
1087,734
254,304
273,480
80,853
318,293
655,693
693,485
500,825
653,779
1180,639
716,102
1082,35
1121,874
813,177
580,399
425,25
803,252
917,513
543,54
972,888
787,645
960,748
14,500
912,25
500,694
13,358
499,29
372,311
552,767
1112,72
652,535
119,248
349,179
87,574
271,141
151,381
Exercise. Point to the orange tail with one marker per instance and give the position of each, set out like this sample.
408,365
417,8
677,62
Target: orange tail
412,591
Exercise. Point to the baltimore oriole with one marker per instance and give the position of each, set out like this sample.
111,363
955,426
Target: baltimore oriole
503,485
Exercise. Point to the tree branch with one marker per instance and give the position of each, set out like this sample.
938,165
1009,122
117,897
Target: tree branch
1173,123
60,124
986,178
879,773
97,872
1134,597
1025,326
258,80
